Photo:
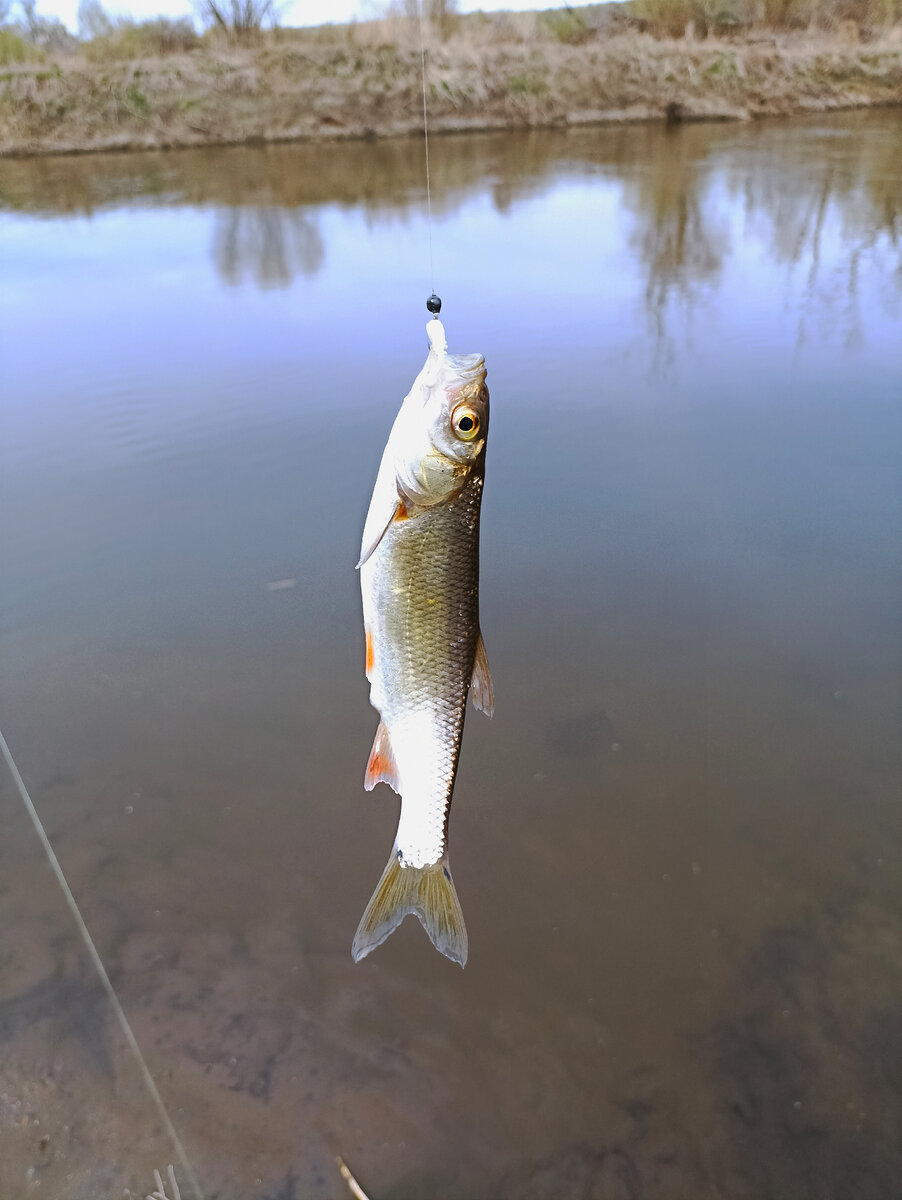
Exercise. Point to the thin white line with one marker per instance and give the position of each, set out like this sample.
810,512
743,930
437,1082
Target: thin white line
101,969
426,142
354,1187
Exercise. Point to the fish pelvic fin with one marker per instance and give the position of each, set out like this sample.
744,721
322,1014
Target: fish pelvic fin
428,893
481,691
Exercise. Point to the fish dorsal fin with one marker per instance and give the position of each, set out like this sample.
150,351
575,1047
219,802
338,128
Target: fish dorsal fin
382,767
481,691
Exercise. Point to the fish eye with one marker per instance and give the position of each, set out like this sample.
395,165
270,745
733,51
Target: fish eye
465,422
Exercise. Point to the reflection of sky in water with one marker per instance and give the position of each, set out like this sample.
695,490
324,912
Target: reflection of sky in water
603,300
651,301
604,297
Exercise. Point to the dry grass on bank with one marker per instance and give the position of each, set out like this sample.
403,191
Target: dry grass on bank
493,72
855,19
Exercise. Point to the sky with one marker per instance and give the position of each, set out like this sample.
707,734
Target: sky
294,12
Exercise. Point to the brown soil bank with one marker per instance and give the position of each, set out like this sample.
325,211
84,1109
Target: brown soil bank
290,89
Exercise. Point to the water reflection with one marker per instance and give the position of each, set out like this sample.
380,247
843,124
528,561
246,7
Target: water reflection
845,186
270,245
680,238
786,187
828,214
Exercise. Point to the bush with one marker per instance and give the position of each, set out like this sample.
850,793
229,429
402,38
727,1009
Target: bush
143,39
788,14
14,49
566,25
869,15
672,18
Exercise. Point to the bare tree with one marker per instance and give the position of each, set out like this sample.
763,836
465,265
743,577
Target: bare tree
93,20
433,10
437,12
30,16
239,17
49,33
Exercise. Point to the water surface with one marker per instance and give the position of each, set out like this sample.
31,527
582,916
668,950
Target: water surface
678,843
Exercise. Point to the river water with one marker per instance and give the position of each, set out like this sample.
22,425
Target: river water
678,843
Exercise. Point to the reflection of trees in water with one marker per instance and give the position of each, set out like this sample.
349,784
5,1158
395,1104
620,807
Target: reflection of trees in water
381,178
827,208
824,198
792,215
680,241
831,215
269,244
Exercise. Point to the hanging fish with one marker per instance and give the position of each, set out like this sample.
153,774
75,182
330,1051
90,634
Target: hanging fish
419,575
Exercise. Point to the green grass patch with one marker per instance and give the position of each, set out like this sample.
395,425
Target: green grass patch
527,84
137,100
722,68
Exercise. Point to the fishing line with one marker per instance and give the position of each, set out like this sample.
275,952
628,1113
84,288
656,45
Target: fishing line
101,969
434,304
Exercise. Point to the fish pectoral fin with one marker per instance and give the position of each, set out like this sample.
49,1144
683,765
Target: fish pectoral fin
428,893
368,547
481,691
382,767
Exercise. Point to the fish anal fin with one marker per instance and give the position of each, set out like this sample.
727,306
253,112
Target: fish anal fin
382,767
481,691
428,893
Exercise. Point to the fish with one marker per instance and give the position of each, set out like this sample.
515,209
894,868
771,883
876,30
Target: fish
419,581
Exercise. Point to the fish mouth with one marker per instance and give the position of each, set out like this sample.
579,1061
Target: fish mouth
466,366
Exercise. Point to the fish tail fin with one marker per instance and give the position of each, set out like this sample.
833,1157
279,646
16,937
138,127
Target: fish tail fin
428,893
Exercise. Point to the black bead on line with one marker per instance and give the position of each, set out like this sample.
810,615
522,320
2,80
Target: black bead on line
434,305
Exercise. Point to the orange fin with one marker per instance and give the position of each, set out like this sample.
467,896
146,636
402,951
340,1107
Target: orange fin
382,767
370,656
481,691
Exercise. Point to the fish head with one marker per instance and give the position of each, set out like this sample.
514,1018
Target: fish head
460,409
445,422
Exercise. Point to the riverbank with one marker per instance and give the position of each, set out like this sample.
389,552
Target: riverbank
294,88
